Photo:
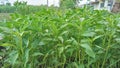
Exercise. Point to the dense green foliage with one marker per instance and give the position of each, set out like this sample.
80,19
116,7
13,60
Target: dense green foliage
61,38
68,3
21,9
7,9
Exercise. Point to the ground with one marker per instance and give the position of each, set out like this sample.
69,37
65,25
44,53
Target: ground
4,16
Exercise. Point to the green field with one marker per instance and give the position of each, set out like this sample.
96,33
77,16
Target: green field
51,37
64,37
61,38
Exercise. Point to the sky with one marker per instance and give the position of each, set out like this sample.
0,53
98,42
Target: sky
39,2
82,2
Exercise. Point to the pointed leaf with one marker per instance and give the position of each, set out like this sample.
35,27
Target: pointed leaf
37,54
88,50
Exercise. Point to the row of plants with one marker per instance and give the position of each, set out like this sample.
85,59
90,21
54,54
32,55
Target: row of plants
22,7
7,9
61,38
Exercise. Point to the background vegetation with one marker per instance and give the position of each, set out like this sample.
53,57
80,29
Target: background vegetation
23,7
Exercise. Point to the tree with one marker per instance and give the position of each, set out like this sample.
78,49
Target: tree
4,2
68,3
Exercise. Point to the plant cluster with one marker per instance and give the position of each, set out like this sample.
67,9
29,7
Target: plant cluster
61,38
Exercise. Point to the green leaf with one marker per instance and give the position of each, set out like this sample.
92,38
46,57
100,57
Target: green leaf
13,56
26,57
117,40
26,41
88,50
96,37
37,54
60,49
63,26
41,43
64,32
88,34
81,66
7,44
75,64
54,29
61,39
74,41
